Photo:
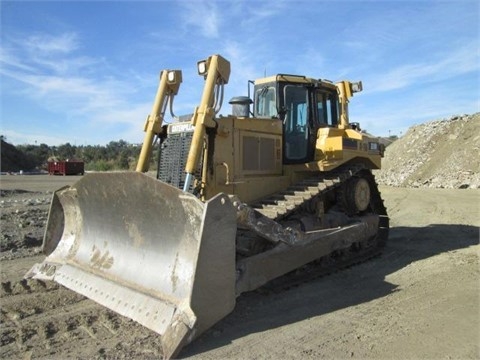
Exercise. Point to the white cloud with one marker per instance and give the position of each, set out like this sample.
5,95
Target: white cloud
394,48
78,87
203,15
52,44
455,62
19,138
70,93
381,113
46,54
262,10
10,60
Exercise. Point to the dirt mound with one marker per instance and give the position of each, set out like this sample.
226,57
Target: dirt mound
437,154
13,160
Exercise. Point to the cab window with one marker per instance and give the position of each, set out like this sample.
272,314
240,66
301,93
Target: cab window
327,108
265,102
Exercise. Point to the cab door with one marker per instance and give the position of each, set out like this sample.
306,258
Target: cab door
296,124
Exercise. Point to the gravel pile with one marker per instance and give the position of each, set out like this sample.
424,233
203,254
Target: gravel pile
437,154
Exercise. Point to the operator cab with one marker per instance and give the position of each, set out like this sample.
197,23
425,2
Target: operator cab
304,105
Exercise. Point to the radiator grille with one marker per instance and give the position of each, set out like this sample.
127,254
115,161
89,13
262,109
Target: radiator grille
173,158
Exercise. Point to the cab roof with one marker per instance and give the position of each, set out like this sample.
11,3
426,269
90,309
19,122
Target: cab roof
299,79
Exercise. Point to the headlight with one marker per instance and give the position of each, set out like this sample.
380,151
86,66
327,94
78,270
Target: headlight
174,79
357,86
202,67
171,76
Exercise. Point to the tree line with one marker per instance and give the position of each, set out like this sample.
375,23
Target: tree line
116,155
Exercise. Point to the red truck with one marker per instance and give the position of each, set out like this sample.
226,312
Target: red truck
66,168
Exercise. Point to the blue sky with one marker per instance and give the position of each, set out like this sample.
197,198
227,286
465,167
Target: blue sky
86,72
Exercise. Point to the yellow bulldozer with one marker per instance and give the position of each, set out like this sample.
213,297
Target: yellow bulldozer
238,200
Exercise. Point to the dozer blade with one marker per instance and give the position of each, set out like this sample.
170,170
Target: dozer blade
145,250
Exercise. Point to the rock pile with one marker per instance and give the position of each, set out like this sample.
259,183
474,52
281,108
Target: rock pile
438,154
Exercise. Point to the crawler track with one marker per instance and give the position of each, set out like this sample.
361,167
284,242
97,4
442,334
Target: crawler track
298,198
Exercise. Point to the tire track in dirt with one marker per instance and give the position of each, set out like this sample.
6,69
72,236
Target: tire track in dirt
43,319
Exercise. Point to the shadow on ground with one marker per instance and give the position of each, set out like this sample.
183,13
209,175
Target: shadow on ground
262,310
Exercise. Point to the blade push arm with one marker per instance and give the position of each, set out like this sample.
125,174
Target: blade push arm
216,71
168,87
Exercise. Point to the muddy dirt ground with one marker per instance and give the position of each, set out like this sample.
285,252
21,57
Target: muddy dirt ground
419,300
